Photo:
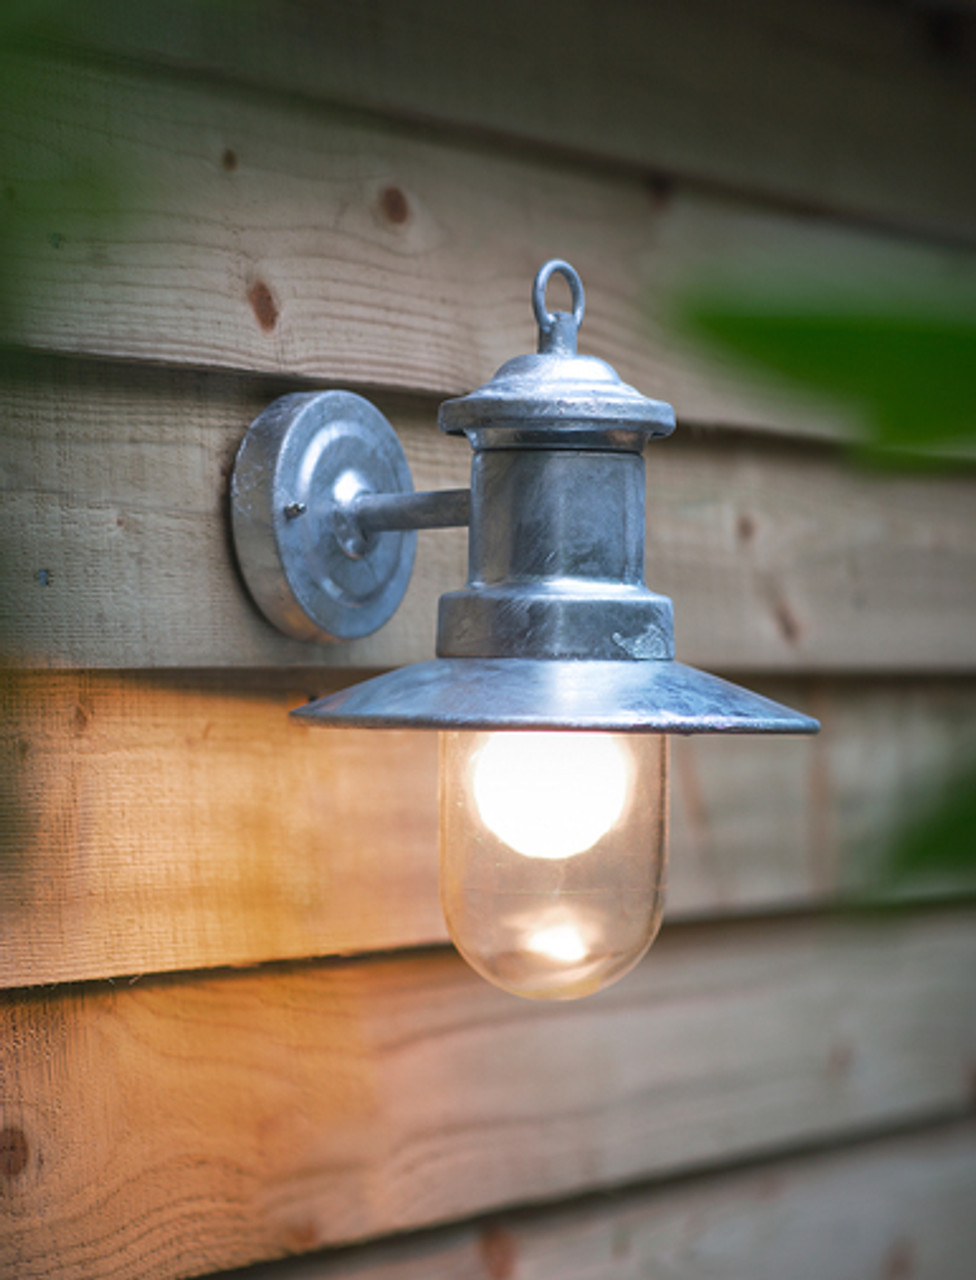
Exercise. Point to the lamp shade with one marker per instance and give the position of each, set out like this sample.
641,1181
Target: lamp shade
649,696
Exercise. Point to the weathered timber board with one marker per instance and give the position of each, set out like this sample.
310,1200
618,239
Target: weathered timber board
160,822
857,108
278,235
779,556
179,1126
897,1207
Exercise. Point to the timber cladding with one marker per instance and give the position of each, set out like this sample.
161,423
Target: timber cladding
237,1116
230,1029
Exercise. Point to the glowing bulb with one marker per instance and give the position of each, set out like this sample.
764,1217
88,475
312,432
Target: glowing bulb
552,855
550,795
558,942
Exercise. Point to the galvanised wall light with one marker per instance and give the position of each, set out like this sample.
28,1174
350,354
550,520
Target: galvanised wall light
555,685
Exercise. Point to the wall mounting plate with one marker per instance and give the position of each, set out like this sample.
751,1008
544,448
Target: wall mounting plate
303,459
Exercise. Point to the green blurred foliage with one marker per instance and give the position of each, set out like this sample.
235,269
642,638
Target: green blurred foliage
63,187
47,183
913,376
906,360
939,844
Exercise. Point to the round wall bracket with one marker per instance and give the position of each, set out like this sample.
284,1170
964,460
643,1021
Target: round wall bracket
301,466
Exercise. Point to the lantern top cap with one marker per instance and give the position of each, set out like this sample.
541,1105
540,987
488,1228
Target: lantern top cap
556,398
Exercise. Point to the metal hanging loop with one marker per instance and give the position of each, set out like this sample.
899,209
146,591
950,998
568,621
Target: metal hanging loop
558,329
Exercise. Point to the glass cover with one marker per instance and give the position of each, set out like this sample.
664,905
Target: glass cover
553,851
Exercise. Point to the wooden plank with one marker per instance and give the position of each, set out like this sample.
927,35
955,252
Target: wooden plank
280,236
184,823
896,1207
168,821
175,1127
778,557
858,108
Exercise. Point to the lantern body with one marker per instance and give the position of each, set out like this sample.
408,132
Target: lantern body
555,683
553,853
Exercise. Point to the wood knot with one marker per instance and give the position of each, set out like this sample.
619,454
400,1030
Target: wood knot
661,188
771,1187
787,621
498,1252
841,1058
745,527
302,1236
900,1261
13,1152
948,33
229,160
81,716
394,205
263,305
621,1243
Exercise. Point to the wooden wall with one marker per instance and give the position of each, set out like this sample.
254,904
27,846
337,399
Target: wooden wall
231,1028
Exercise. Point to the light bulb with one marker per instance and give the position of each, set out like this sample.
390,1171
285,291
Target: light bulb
553,848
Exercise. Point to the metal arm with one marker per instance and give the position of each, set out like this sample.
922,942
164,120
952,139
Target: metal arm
433,509
371,513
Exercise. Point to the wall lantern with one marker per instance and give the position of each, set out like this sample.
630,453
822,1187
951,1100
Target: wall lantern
555,685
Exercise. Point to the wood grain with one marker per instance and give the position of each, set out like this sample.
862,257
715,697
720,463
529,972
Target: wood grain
154,824
778,556
179,1126
336,193
339,248
896,1207
175,821
861,109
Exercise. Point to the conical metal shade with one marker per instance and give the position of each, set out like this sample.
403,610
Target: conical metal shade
525,693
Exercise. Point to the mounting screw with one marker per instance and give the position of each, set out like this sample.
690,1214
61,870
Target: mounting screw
295,509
